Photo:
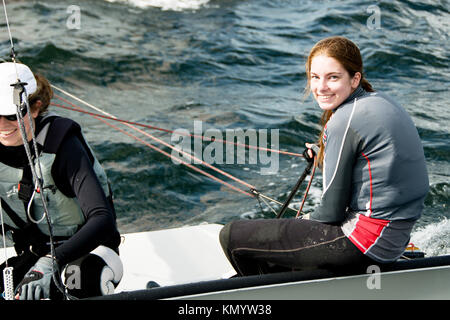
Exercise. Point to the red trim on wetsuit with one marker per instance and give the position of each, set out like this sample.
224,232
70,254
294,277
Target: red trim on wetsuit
367,231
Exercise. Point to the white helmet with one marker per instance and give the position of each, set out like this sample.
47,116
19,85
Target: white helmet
10,73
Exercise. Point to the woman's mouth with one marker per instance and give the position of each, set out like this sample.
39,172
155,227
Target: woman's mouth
6,133
325,97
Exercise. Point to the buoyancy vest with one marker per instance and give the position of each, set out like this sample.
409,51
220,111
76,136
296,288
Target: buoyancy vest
65,213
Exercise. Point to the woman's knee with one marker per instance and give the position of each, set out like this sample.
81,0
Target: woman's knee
224,236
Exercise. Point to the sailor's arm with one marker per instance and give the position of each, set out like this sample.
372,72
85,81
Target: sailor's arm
339,159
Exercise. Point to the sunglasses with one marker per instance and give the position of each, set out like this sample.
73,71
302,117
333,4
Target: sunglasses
13,117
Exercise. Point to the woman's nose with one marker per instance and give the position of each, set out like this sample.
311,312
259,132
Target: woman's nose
322,85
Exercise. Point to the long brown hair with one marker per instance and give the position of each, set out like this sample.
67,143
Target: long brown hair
349,56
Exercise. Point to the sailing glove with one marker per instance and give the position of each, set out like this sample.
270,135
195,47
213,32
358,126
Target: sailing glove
314,148
36,282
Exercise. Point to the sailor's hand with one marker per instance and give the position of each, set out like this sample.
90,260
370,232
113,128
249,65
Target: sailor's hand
36,282
312,149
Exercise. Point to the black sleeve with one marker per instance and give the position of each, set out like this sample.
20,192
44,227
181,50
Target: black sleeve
74,176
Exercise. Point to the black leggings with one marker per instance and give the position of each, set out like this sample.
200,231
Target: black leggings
273,245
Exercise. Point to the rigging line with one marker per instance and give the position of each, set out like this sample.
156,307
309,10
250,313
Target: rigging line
37,177
152,146
21,122
181,151
269,206
256,194
294,190
193,157
176,159
98,117
9,31
299,212
172,131
75,108
260,195
13,53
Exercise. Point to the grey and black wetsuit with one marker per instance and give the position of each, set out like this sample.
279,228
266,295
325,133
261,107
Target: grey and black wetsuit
374,174
375,182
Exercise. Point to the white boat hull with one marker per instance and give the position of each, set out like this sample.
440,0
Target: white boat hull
423,284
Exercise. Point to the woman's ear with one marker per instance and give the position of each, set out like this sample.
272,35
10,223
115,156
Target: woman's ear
356,80
36,109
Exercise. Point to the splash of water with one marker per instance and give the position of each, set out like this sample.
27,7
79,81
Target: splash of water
433,239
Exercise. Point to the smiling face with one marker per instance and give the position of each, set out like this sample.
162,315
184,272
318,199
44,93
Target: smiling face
330,83
10,134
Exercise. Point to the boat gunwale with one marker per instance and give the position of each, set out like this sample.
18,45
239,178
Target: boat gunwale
280,278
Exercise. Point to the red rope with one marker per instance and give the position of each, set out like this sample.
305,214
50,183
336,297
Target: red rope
254,192
307,188
99,117
78,109
170,156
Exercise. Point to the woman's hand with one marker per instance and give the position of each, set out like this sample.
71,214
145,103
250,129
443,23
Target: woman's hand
313,149
36,283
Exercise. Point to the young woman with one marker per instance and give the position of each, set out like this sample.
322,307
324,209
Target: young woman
374,179
75,189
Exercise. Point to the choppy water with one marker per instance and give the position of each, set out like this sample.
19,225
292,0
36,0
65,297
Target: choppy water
231,64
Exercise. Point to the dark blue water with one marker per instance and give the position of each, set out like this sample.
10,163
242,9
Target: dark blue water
232,64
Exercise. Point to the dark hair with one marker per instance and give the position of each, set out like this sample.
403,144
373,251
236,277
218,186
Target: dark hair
349,56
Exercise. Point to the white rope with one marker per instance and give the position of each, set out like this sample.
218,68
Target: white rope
13,54
83,102
7,24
